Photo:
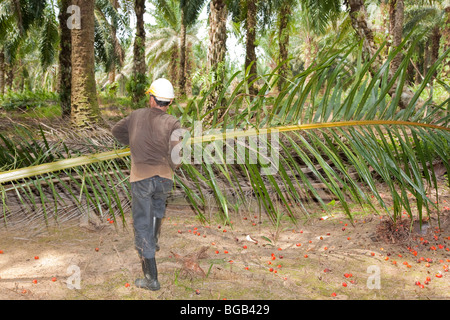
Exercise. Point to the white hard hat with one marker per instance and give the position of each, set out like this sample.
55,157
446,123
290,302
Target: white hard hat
162,89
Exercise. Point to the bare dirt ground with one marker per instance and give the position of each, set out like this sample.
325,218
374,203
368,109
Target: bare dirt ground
320,257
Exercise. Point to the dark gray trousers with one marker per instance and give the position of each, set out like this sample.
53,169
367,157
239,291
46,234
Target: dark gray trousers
148,201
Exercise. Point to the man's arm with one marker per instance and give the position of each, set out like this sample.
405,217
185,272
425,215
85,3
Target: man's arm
120,131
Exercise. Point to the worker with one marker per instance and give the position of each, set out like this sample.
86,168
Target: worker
148,133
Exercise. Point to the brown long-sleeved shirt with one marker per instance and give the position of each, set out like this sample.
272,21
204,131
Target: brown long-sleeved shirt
147,131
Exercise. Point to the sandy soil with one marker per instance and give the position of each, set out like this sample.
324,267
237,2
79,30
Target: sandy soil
317,258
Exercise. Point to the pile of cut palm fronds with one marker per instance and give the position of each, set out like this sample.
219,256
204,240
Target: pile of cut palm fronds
46,176
338,130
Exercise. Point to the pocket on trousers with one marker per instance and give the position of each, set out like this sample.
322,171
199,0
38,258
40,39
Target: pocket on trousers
141,188
166,185
163,187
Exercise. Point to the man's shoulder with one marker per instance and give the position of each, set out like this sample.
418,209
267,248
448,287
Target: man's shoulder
159,116
136,113
164,116
140,111
171,117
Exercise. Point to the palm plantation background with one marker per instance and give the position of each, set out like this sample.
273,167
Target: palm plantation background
358,90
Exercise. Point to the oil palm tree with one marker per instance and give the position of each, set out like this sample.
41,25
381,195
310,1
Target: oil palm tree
433,19
85,110
396,18
284,20
254,16
317,16
139,78
190,10
258,16
36,22
17,20
446,41
163,42
65,59
359,17
2,72
426,20
215,65
250,44
108,49
162,52
312,20
187,15
6,27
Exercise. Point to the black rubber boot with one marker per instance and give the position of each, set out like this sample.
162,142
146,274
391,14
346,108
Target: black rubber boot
150,280
157,231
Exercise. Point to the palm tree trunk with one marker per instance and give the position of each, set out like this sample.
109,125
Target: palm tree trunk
173,66
420,66
188,68
250,56
217,34
283,42
65,60
435,41
118,51
310,50
9,72
182,69
85,109
20,79
217,49
112,75
396,16
359,16
427,57
2,72
384,9
139,68
445,40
